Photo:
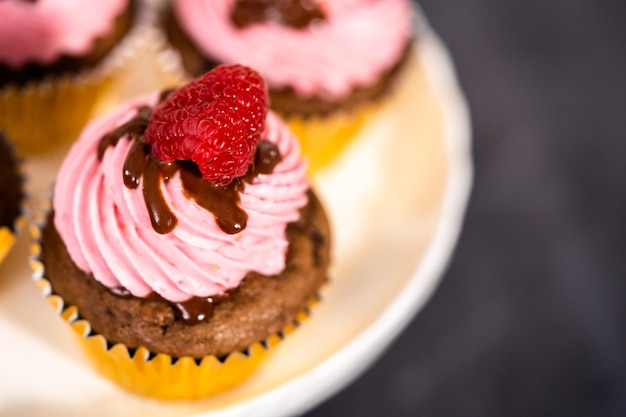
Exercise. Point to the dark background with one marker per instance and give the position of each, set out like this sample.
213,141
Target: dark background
530,319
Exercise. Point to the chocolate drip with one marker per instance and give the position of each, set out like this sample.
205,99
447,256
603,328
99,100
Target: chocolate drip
196,309
297,14
161,216
221,201
266,158
133,128
135,164
192,311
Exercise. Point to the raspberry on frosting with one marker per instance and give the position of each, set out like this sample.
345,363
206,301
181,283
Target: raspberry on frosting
216,121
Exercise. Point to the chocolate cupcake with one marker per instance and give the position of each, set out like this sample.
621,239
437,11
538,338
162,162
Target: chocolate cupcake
58,59
11,195
184,238
329,64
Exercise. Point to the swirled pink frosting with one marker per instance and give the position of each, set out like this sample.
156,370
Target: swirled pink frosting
107,230
356,43
43,30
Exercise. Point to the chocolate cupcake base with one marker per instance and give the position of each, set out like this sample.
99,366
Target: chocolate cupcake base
11,184
262,306
11,196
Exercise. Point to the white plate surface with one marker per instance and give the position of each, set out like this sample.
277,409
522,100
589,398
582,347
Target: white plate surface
396,199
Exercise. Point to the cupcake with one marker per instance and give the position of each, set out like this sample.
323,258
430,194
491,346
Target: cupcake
328,64
184,239
11,195
57,58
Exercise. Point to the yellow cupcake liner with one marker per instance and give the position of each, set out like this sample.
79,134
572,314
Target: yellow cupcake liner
155,374
7,239
8,235
40,116
323,138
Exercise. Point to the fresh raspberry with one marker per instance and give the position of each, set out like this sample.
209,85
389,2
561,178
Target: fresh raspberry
215,120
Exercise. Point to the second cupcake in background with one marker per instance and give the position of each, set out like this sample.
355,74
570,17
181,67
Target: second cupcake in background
184,238
11,195
328,64
58,58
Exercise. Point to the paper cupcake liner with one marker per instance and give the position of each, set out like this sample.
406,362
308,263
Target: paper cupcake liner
323,138
155,374
39,116
7,239
42,115
8,235
168,60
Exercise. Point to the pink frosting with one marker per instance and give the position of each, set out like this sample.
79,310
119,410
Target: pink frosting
43,30
107,231
357,42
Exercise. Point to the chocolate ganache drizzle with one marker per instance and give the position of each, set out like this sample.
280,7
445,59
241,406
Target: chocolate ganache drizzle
221,201
192,311
297,14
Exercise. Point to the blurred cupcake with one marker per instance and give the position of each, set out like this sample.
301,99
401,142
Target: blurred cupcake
184,239
57,58
11,195
328,63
